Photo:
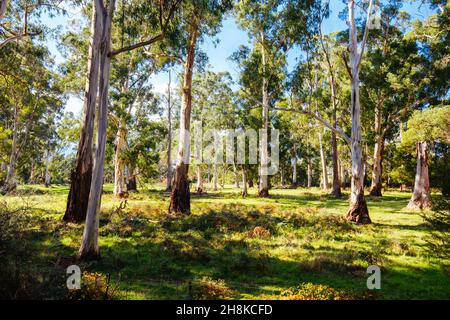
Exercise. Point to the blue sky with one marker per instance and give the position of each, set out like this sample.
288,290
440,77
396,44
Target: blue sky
230,38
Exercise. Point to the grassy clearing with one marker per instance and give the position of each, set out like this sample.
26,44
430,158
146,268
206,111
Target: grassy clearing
233,247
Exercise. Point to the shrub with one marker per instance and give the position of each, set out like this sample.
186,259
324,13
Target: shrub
210,289
310,291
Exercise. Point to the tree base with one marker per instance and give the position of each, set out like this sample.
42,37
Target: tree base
199,191
336,193
263,193
419,204
180,197
88,256
375,191
244,193
358,213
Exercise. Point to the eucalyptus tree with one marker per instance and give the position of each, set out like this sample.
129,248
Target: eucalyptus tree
199,19
160,13
102,23
424,129
31,92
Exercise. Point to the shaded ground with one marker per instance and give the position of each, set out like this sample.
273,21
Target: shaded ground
229,247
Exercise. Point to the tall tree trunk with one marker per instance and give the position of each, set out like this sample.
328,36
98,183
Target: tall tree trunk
199,187
169,137
32,171
119,163
309,174
132,183
180,196
222,181
47,172
89,245
294,165
421,198
324,164
244,182
282,177
81,175
358,211
264,181
377,170
3,5
215,176
236,176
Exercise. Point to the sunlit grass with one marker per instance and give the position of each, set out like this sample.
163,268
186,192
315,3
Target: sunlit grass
304,239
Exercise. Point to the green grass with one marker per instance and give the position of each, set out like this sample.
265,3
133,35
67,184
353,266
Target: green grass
150,255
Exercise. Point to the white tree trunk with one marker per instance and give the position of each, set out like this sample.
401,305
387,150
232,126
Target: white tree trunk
119,163
244,182
89,245
421,198
358,211
47,179
169,136
324,164
215,176
199,180
264,180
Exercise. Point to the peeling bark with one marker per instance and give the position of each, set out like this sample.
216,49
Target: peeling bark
81,175
180,196
358,211
89,245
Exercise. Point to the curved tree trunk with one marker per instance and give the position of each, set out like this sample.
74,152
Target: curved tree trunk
358,211
81,175
421,198
89,245
180,195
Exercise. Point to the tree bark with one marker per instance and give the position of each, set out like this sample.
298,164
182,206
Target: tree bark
199,187
180,196
47,179
119,163
169,137
236,176
244,182
89,245
294,165
132,183
324,164
377,169
358,211
215,176
3,5
81,175
421,198
264,181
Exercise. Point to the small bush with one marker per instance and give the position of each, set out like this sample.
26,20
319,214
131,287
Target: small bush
94,286
310,291
210,289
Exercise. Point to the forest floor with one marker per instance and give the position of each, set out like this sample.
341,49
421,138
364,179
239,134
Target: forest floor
229,247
